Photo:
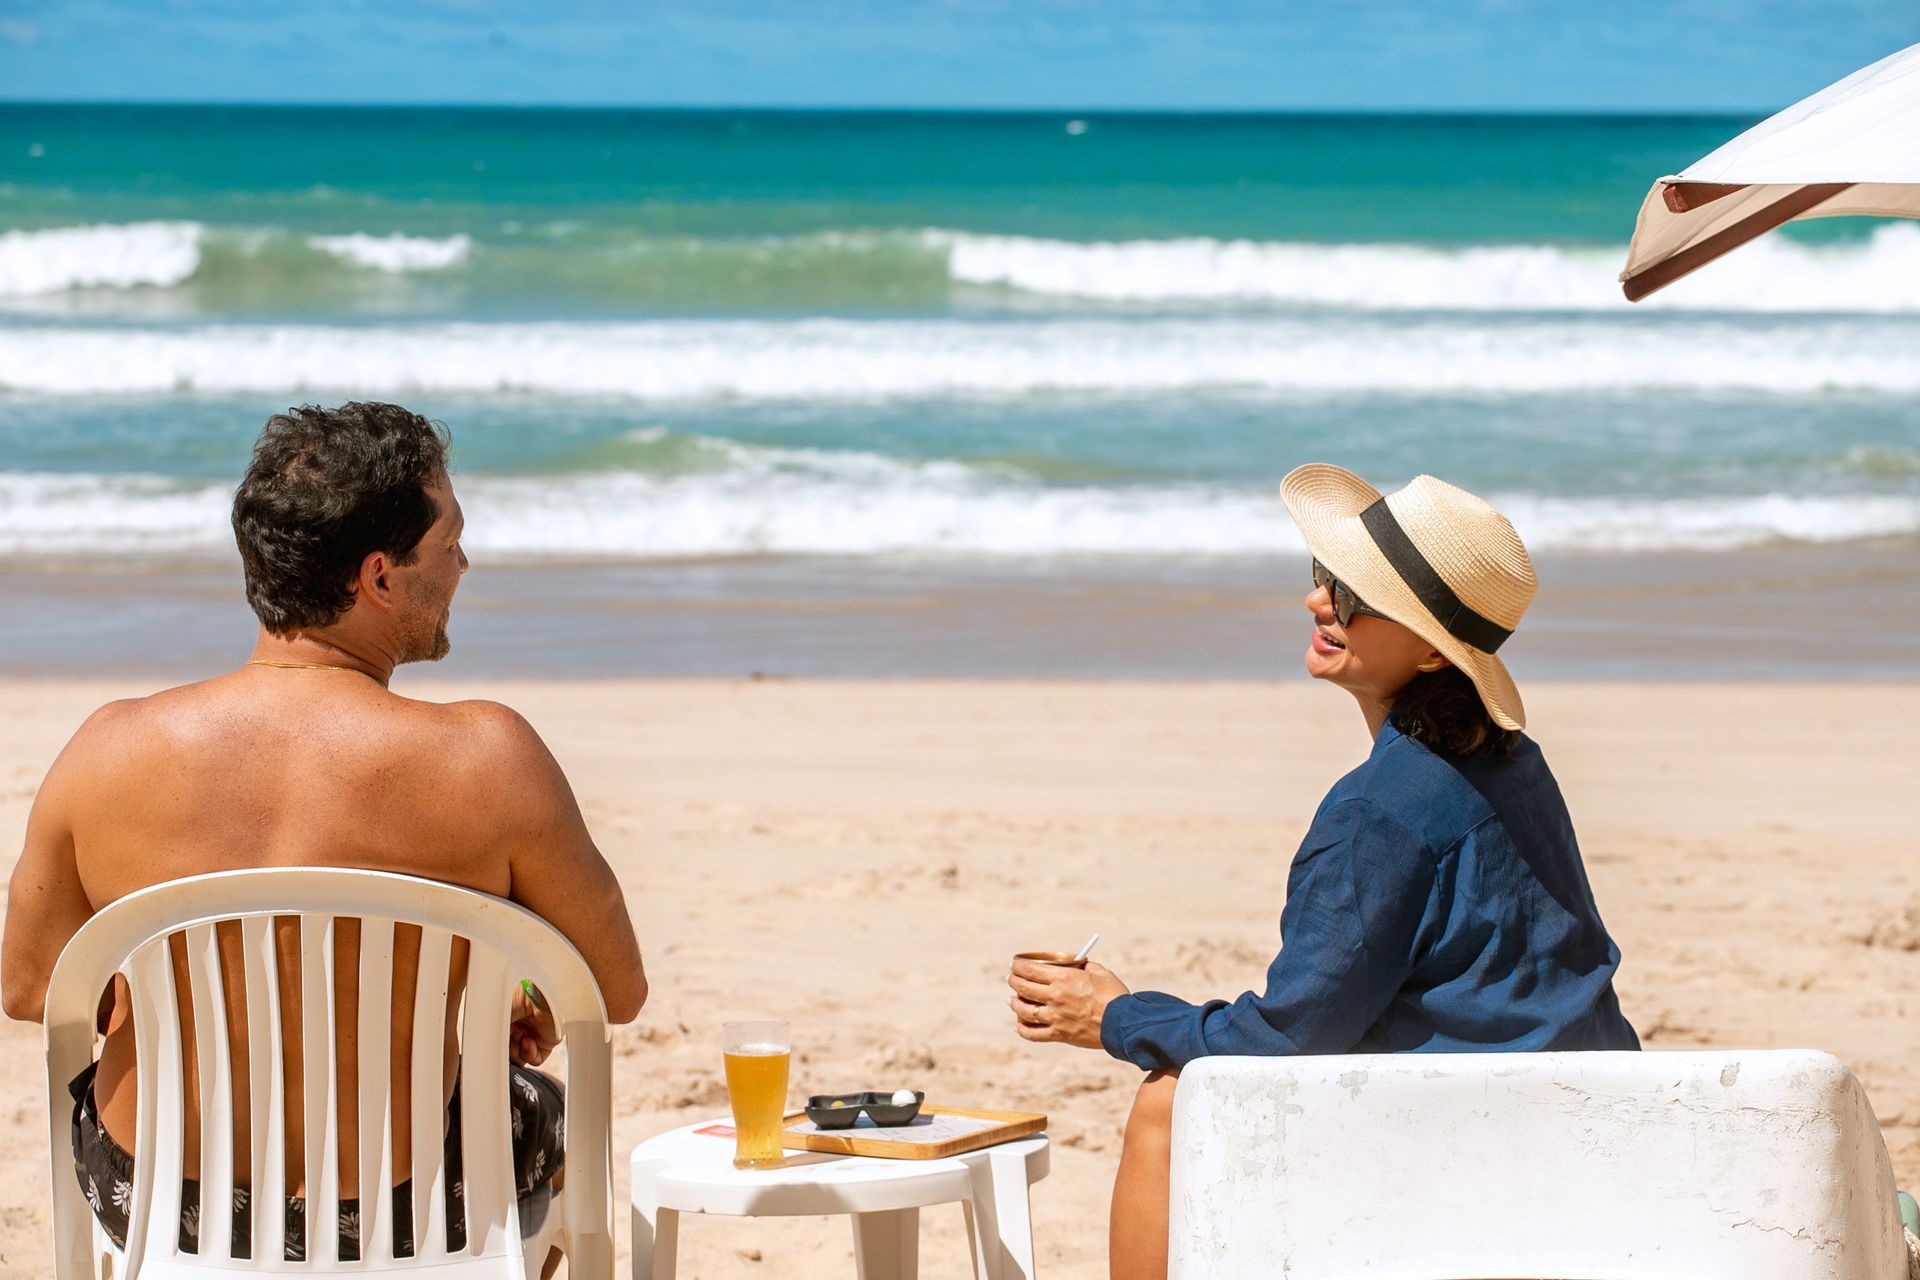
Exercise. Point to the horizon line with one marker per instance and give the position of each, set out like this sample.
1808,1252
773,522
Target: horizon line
1671,113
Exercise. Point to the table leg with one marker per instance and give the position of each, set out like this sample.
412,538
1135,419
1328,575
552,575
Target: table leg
886,1246
656,1232
999,1217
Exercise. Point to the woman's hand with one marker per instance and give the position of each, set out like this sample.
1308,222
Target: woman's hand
534,1033
1058,1004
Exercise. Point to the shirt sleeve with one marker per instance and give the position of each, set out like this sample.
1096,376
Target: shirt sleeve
1357,897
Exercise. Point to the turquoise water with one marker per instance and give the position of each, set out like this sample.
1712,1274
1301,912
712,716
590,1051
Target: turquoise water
578,212
1326,179
1038,335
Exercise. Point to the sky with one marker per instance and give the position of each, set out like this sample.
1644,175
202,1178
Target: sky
1744,56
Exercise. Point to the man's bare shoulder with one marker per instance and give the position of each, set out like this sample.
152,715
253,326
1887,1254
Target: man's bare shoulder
119,737
500,747
126,722
109,720
496,746
86,753
490,727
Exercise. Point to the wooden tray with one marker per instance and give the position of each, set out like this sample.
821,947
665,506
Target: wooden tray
937,1133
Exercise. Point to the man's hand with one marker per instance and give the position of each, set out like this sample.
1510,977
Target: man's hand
1055,1003
534,1034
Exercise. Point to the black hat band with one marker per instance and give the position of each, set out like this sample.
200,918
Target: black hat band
1453,613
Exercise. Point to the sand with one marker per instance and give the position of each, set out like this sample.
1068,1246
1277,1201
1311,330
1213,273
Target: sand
862,858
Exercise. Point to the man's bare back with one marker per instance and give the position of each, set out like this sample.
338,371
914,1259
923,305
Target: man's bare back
303,757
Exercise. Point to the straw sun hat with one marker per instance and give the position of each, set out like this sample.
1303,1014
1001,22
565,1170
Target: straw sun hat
1435,559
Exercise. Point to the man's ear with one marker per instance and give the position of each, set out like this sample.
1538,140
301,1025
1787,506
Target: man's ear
376,580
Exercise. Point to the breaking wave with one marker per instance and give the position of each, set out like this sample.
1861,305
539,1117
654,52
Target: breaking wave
140,254
890,267
827,359
743,500
165,255
396,254
1771,275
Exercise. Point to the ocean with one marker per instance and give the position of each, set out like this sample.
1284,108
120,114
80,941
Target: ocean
897,393
676,334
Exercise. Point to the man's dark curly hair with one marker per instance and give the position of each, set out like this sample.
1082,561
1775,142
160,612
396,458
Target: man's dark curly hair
1443,710
327,488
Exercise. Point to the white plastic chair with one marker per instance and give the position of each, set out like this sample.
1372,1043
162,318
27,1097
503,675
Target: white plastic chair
508,942
1758,1165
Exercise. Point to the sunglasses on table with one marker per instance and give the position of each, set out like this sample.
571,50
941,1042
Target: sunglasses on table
1345,603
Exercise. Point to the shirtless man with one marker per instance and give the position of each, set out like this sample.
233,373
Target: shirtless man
349,535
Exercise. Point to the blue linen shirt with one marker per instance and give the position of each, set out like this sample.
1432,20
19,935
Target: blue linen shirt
1437,904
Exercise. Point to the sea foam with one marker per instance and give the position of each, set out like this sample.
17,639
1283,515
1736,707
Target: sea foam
807,502
396,254
125,256
164,255
687,360
1773,274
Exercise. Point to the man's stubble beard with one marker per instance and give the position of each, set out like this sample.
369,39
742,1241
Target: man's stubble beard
432,649
442,645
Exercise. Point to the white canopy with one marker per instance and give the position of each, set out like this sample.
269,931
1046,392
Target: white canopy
1851,149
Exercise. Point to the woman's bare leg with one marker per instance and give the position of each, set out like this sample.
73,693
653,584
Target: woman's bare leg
1137,1229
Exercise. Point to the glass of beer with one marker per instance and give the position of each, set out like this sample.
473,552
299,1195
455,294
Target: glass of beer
757,1054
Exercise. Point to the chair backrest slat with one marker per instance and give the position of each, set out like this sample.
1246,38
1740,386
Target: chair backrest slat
492,1209
157,1155
429,1107
154,934
266,1109
376,1093
320,1086
208,984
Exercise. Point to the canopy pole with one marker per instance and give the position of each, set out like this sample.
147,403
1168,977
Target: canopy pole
1685,197
1758,223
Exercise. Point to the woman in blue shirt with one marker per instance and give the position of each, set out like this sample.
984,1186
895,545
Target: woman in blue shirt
1438,902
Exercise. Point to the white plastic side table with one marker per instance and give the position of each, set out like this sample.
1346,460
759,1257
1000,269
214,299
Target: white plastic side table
684,1171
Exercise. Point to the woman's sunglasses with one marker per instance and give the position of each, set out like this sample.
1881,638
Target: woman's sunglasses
1345,603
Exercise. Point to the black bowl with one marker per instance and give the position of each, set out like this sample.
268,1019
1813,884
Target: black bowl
841,1110
835,1110
884,1113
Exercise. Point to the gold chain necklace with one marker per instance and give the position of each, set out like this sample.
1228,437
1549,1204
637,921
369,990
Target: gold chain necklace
301,666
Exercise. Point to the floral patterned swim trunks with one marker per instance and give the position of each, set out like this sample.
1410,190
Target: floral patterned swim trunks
105,1170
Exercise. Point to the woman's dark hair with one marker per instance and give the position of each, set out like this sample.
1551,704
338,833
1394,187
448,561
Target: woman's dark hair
1443,710
326,489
